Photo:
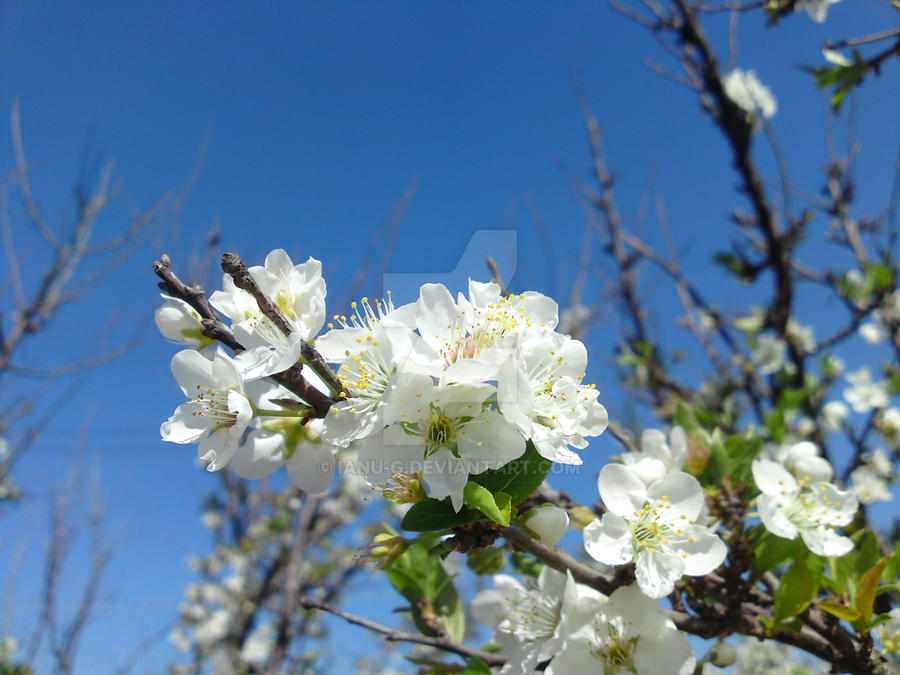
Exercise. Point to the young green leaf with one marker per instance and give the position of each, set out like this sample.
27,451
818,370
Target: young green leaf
479,497
799,587
519,478
866,590
431,515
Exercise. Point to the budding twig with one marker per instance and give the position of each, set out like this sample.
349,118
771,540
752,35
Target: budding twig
214,328
236,268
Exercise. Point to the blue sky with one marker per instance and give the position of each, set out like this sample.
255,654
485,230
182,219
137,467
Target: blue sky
320,115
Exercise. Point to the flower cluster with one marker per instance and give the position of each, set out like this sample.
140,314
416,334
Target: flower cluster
236,415
574,629
442,388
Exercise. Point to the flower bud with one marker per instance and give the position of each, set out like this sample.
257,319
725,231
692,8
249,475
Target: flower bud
180,323
581,516
547,522
404,488
722,654
386,548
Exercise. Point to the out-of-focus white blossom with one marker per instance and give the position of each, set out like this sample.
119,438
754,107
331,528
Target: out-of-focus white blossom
868,486
672,452
769,354
865,394
834,414
889,635
817,9
751,95
873,333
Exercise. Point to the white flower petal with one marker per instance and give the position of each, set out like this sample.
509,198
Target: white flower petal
621,490
609,540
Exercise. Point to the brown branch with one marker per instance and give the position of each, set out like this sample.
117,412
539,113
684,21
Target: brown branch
495,275
443,643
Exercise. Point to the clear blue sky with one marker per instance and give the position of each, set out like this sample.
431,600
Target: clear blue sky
320,115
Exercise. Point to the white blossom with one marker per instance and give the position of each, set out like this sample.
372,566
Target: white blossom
655,526
865,394
769,354
297,290
868,486
539,390
789,506
817,9
801,336
889,425
803,461
889,633
446,431
531,624
834,414
835,365
627,634
468,339
751,95
257,648
873,333
217,411
366,372
672,453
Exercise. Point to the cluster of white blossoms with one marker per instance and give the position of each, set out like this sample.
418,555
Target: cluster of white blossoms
449,388
870,481
443,388
879,329
236,415
574,629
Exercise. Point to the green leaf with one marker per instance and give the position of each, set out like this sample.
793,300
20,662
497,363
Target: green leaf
519,478
799,587
717,463
880,619
479,497
840,78
476,666
486,560
525,564
865,592
685,418
839,610
879,275
741,453
769,551
776,424
848,569
431,515
421,579
892,569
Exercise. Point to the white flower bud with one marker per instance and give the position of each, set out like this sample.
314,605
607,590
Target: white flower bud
547,522
722,654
